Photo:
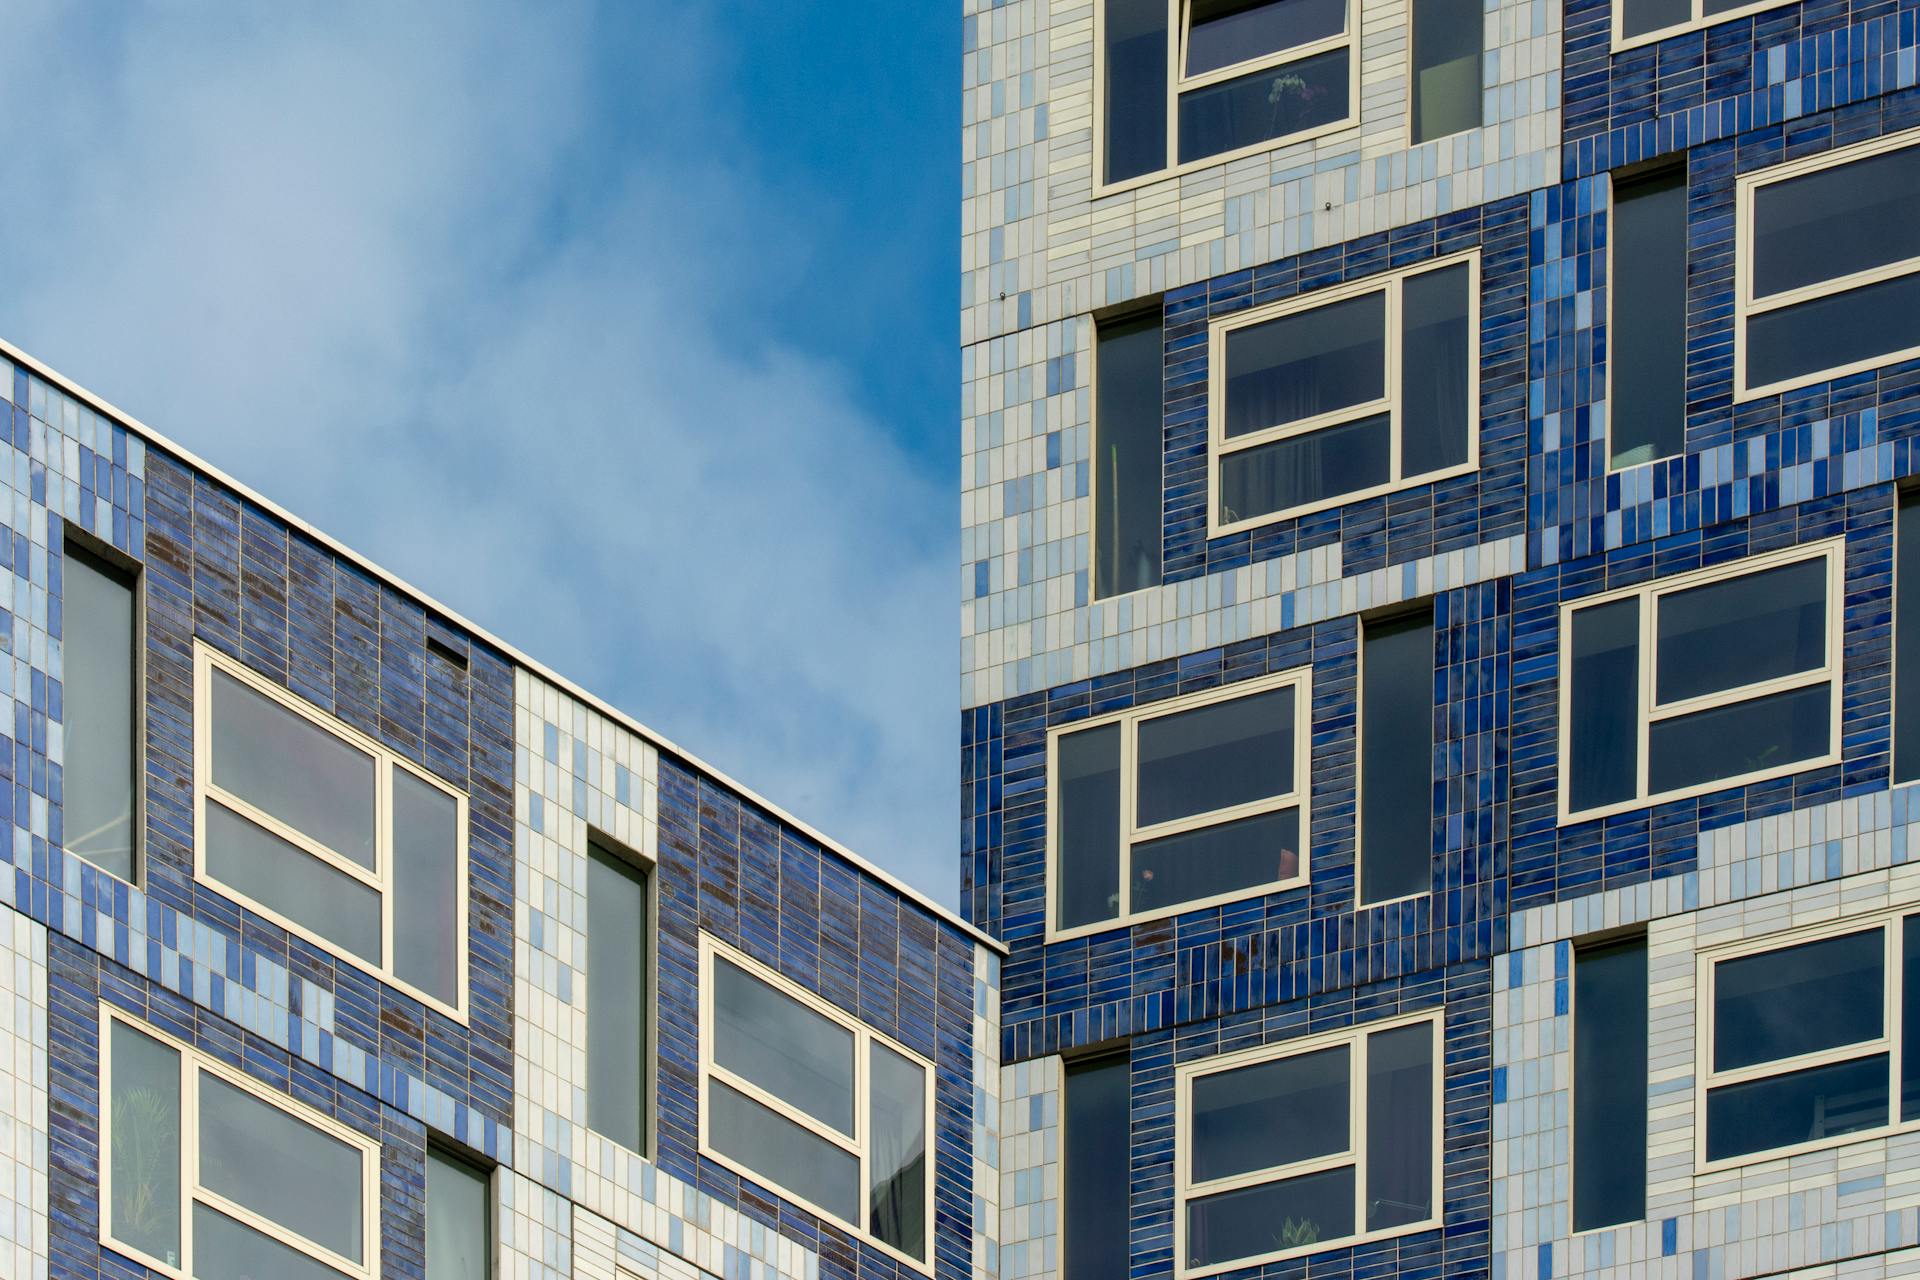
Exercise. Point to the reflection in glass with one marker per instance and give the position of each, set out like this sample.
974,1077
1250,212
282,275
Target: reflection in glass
459,1220
1835,222
789,1156
1095,1177
1275,1216
426,886
1216,860
1087,791
292,769
1271,1113
286,879
1399,1126
1221,33
1437,363
144,1155
1308,363
1214,757
617,997
289,1172
782,1046
1647,348
1610,1084
897,1153
1867,323
1638,17
98,784
1603,705
1135,127
1740,631
1127,493
224,1249
1800,1106
1727,742
1910,1019
1906,639
1304,469
1396,757
1269,104
1447,37
1799,999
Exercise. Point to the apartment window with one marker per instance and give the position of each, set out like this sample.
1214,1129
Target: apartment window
1344,394
1828,266
619,995
1610,1084
1638,22
1127,463
204,1173
1702,681
329,834
814,1104
1647,349
1447,37
1396,756
1245,75
1798,1039
1320,1143
1906,639
1181,804
99,673
1096,1174
459,1219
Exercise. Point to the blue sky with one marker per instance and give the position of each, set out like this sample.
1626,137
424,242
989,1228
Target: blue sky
628,332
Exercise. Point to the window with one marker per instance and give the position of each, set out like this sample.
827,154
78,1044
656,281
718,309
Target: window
1245,75
1128,508
619,996
459,1219
1827,271
1906,639
1344,393
99,674
329,834
1396,756
1447,54
1318,1143
1808,1039
1638,22
815,1105
1647,354
1701,681
1610,1084
1096,1176
1181,804
204,1173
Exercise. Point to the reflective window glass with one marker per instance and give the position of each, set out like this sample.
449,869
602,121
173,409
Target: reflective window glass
1211,861
1638,17
1396,757
1270,1113
784,1047
1603,715
1741,631
1447,39
1087,793
1610,1084
1799,999
1265,105
1400,1126
1437,366
784,1152
1226,753
1128,458
1221,33
1134,130
1301,470
1830,332
459,1220
286,879
98,783
1291,1214
618,997
426,871
1835,222
293,770
1906,639
1910,1019
897,1159
1741,738
1796,1107
1307,363
1095,1145
144,1152
265,1160
1647,346
224,1249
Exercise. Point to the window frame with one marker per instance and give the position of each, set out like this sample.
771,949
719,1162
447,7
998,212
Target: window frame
1426,606
1700,21
1131,832
1830,672
1888,921
92,547
1391,284
207,661
1746,306
1603,941
1354,1038
865,1037
1413,71
649,870
1179,82
194,1063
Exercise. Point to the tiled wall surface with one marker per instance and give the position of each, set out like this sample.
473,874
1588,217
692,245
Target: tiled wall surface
23,1098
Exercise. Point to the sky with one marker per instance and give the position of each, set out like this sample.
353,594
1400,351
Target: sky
629,332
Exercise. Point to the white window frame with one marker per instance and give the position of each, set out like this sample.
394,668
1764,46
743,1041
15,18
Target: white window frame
1700,21
193,1065
1889,922
1831,550
865,1038
1179,82
1300,679
207,660
1391,284
1746,306
1354,1038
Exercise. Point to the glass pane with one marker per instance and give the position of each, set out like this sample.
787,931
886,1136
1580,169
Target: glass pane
1812,337
1223,32
1638,17
1271,1114
1265,105
1729,741
97,630
1603,707
1135,132
1396,757
1216,860
617,998
1447,35
224,1249
1088,838
1400,1126
1128,509
782,1046
144,1160
1610,1084
1910,1018
1906,640
787,1155
897,1156
1302,469
1216,756
1648,346
1307,363
1821,226
459,1220
285,1170
292,769
1437,360
1801,999
294,883
1801,1106
1277,1216
1095,1175
426,886
1742,630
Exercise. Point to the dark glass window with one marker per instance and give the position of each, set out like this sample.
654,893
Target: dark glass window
1134,130
1396,757
618,997
1300,470
1610,1084
1740,738
98,776
1289,1214
1290,98
1436,366
459,1219
1221,33
1196,865
1128,510
897,1162
1910,1018
1798,1000
1400,1126
1741,631
1096,1173
1829,332
1447,38
1647,333
1639,17
1906,640
1799,1106
1087,834
1306,363
1215,756
1271,1113
1603,714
